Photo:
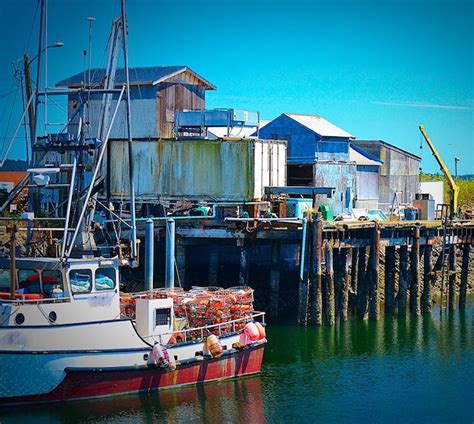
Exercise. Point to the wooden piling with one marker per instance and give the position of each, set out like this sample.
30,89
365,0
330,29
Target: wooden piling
353,288
390,261
362,290
244,265
305,283
415,273
213,264
180,253
274,279
403,280
343,285
317,304
329,292
374,275
466,250
428,280
452,278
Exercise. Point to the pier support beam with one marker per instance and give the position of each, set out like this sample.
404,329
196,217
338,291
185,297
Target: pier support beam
170,253
213,264
275,280
316,298
149,253
403,280
329,304
452,278
362,288
343,284
353,288
466,249
428,280
390,261
244,264
181,261
305,273
374,275
415,274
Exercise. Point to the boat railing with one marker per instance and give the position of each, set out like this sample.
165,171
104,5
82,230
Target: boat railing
22,300
189,334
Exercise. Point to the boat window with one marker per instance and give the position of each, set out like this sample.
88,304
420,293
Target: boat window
4,280
105,279
80,280
29,281
53,285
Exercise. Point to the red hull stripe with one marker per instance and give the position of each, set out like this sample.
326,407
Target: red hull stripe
86,385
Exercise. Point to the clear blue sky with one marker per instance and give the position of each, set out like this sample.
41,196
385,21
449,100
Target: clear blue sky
376,68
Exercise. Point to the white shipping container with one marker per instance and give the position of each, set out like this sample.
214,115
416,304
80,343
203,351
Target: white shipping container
225,170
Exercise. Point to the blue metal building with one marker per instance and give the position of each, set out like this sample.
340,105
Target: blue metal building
318,155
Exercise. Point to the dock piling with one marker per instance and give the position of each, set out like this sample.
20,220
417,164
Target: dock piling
362,292
390,261
452,278
170,253
415,273
329,297
466,250
149,253
274,280
403,280
213,264
428,280
374,275
316,298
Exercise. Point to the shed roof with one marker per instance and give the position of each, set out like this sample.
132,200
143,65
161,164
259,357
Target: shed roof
148,75
388,146
319,125
361,157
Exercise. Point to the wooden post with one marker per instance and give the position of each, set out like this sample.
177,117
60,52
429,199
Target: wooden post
403,280
213,264
304,283
274,279
390,260
317,303
374,280
415,273
345,281
428,280
452,277
329,298
244,264
13,262
362,285
353,288
466,249
180,253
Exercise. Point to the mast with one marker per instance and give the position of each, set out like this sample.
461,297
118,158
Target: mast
129,131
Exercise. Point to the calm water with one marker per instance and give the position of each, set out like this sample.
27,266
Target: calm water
413,370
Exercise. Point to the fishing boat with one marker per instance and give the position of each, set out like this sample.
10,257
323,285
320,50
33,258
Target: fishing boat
67,332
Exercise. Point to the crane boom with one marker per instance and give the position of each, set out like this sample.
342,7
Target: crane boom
454,189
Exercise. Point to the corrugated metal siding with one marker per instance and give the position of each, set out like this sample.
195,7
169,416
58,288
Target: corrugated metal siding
342,177
367,183
199,169
304,146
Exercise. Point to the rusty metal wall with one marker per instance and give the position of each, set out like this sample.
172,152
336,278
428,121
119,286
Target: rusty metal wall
341,176
198,169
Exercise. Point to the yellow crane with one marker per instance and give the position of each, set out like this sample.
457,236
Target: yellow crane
454,189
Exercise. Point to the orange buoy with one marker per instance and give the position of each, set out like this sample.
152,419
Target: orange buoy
214,346
261,330
251,331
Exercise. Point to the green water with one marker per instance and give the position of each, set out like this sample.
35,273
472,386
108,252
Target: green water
410,370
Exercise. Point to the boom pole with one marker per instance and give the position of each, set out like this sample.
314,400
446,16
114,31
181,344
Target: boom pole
454,189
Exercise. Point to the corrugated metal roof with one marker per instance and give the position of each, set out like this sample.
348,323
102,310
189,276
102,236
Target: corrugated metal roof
319,125
361,157
220,132
389,146
149,75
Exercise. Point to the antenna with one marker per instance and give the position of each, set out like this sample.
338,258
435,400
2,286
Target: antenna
90,19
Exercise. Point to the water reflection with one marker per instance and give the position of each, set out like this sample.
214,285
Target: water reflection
209,403
412,368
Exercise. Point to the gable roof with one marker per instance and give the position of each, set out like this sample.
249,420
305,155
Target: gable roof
319,125
148,75
361,157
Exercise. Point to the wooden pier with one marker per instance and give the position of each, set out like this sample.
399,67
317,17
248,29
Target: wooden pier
351,269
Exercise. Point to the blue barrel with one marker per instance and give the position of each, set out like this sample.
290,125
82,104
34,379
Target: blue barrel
410,214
